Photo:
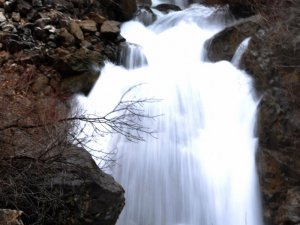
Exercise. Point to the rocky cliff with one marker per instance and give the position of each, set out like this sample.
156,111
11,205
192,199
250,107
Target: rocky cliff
272,59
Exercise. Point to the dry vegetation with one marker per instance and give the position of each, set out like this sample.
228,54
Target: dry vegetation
37,124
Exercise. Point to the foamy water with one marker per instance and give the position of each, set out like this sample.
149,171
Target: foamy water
199,169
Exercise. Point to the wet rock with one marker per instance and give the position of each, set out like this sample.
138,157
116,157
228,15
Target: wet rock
137,59
144,3
145,15
10,217
110,29
111,52
82,83
166,8
224,44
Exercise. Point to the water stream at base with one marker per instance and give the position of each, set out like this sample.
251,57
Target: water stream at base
199,169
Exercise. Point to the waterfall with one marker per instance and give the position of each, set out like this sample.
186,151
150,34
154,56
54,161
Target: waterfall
199,168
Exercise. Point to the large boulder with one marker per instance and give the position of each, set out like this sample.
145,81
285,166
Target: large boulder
72,190
238,8
224,44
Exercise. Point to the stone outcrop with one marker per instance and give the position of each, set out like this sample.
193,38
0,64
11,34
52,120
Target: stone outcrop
74,37
166,8
72,190
224,44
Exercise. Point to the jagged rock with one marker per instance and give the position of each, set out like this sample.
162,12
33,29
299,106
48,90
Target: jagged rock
79,69
272,59
10,217
96,197
88,25
80,192
166,8
224,44
110,29
240,10
67,38
124,9
76,30
42,22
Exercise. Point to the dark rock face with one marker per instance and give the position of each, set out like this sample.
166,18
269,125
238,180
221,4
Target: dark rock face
273,60
239,10
166,8
224,44
86,194
145,15
97,198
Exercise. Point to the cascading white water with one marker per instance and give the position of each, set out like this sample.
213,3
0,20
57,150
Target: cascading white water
200,167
